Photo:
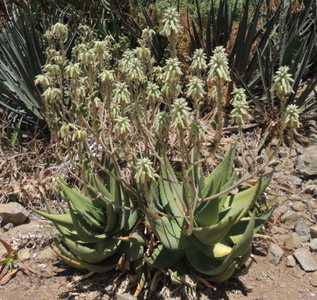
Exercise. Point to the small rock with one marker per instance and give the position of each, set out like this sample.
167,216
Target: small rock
313,280
306,260
313,245
126,297
24,254
14,213
8,226
292,241
307,162
290,261
302,230
275,254
47,254
299,206
291,217
313,231
311,188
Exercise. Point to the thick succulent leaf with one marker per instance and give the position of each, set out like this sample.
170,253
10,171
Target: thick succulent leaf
207,214
64,219
92,253
238,229
241,203
168,231
163,258
209,265
84,206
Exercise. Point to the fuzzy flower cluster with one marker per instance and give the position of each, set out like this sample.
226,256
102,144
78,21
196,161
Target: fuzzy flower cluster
240,111
283,83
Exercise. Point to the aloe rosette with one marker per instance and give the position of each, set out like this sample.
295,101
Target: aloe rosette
99,225
219,241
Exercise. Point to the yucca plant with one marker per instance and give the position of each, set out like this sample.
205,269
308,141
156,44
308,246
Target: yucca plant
98,229
200,223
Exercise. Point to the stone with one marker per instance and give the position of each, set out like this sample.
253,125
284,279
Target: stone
24,254
313,231
292,241
290,261
313,245
311,188
307,162
313,280
303,231
299,206
291,217
8,226
125,297
275,254
47,254
14,213
306,260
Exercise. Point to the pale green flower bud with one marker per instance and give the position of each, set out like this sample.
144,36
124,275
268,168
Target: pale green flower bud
171,23
180,113
42,80
292,116
283,83
121,93
107,76
160,120
79,135
199,61
60,32
144,170
153,93
131,66
73,71
52,70
52,94
122,125
219,68
87,58
196,89
240,105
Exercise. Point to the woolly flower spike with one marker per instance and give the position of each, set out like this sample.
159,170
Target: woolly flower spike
144,170
73,71
122,124
172,71
240,107
121,93
196,89
283,83
171,23
146,37
153,93
131,66
160,120
219,68
180,113
292,116
199,61
60,32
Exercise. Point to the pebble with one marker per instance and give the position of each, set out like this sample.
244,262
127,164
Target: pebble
290,261
313,231
302,230
313,280
275,254
291,217
24,254
125,297
306,260
14,213
313,245
292,241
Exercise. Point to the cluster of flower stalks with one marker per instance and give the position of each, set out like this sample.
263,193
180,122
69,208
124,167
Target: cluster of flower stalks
141,133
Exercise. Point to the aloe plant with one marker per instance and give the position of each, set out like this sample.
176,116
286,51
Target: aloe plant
206,226
98,227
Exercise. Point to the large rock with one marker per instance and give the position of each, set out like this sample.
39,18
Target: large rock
14,213
292,241
307,162
306,260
